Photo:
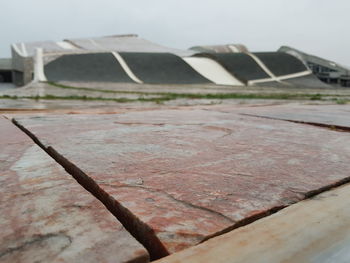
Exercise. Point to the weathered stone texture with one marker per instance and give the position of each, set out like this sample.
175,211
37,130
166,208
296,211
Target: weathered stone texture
333,116
189,174
46,216
316,230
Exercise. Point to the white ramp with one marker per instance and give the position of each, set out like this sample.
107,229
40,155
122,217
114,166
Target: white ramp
212,70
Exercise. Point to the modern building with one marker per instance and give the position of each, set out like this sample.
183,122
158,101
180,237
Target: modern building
25,54
328,71
131,59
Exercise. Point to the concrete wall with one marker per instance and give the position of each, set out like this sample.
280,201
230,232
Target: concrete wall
22,68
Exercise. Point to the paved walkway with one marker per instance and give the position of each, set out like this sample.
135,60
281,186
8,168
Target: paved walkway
175,177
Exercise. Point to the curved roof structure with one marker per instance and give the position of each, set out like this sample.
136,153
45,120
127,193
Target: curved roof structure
305,58
229,48
94,67
130,59
119,43
235,69
127,43
213,71
162,68
266,68
281,63
240,65
28,49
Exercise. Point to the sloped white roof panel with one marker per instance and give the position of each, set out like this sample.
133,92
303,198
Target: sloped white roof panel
125,44
213,71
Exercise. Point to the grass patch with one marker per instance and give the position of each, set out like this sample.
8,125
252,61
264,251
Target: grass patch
57,85
53,97
162,97
316,97
341,101
9,97
312,96
171,96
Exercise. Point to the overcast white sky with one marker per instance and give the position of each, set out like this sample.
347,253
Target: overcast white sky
316,26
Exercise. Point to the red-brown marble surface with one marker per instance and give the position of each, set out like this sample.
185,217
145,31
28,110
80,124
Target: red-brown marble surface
334,116
189,174
46,216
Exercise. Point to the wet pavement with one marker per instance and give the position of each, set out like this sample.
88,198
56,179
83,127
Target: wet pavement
180,176
329,115
169,177
315,230
46,216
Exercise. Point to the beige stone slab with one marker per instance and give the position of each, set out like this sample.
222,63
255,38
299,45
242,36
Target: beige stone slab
316,230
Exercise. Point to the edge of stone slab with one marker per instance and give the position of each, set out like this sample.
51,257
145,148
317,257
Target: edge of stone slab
240,245
138,229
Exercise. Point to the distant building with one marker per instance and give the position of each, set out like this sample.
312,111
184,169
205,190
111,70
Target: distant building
131,59
328,71
24,54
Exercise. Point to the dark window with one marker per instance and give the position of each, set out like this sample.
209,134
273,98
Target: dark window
5,76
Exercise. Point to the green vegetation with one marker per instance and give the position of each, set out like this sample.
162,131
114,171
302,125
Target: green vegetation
316,97
57,85
341,101
161,97
85,98
8,97
171,96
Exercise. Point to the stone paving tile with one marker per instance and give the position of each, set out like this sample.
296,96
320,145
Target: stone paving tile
190,174
315,230
46,216
330,115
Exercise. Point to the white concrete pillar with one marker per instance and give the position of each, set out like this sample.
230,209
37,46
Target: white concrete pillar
39,74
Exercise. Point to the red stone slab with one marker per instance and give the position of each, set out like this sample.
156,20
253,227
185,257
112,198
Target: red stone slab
189,174
335,116
46,216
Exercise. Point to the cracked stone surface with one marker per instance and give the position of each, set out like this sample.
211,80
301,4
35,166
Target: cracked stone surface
337,116
189,174
316,230
46,216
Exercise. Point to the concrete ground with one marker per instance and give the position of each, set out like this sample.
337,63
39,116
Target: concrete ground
6,86
204,179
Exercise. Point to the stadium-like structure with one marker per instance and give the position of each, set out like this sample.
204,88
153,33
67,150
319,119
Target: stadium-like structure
131,59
